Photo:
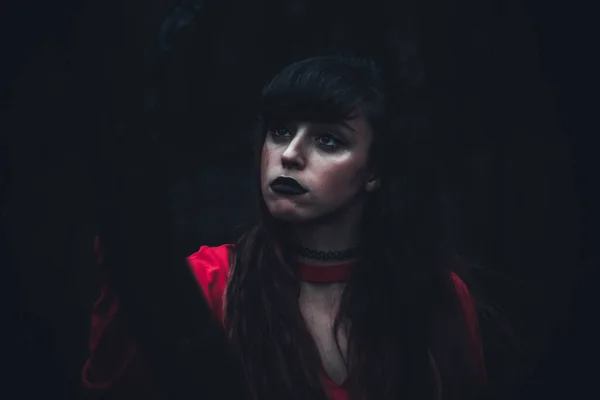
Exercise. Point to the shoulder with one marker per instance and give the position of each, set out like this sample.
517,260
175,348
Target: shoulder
210,267
211,259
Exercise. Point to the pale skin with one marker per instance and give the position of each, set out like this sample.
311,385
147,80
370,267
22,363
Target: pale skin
331,161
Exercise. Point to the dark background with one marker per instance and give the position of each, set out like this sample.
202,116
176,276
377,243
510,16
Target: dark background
93,89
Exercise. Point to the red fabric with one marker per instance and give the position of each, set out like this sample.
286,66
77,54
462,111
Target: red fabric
475,345
115,361
325,273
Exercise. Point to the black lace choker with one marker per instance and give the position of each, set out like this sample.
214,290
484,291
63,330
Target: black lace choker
342,255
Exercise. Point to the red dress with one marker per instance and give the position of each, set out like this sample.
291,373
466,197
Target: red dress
115,360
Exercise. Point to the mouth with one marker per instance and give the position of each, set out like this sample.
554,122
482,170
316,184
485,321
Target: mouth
284,185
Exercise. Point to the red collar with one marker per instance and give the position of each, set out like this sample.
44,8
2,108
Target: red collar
325,273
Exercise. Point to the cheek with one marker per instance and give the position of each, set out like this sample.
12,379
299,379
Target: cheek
347,176
264,160
266,163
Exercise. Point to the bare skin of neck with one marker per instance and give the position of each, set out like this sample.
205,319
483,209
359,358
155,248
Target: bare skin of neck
319,309
332,233
319,302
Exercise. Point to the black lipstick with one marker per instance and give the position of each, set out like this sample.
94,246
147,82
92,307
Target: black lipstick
287,186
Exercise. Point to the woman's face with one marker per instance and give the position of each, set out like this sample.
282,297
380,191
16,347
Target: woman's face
329,161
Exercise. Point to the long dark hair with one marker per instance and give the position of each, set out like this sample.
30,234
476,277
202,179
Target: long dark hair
402,280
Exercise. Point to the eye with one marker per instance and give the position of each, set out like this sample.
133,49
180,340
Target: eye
281,132
328,141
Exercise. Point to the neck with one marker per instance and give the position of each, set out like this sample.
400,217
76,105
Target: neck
321,296
332,233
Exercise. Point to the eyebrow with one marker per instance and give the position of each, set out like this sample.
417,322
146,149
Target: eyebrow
344,123
331,124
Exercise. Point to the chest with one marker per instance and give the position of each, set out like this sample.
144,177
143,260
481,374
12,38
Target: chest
320,322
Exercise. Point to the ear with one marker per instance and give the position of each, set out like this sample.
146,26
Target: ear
372,183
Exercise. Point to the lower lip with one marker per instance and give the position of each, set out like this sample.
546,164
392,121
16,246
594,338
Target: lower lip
287,190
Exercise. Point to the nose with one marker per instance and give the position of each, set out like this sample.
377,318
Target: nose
293,155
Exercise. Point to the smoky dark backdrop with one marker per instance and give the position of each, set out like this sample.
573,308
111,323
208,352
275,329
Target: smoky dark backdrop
505,83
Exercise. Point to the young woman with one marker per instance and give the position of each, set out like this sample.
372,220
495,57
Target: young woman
341,289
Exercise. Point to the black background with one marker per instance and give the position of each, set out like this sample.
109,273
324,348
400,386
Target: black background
510,84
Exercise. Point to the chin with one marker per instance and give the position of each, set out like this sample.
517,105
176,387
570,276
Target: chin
287,215
287,212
